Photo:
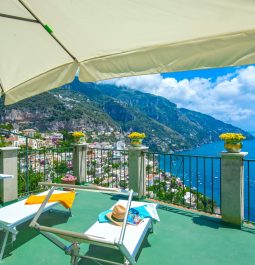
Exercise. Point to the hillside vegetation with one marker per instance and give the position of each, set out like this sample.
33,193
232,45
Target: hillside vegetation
98,107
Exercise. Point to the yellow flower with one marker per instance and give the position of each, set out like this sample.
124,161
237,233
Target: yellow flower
78,134
232,137
136,135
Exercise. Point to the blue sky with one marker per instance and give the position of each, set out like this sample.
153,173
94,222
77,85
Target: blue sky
227,94
212,73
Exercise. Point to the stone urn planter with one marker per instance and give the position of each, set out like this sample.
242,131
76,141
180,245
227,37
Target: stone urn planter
136,139
136,142
79,140
79,137
233,147
232,142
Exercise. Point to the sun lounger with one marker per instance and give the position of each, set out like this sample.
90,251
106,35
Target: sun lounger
17,213
127,239
134,235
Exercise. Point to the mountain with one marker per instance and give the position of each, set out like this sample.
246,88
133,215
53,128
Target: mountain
106,107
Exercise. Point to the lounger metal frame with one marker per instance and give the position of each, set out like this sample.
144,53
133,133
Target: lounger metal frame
76,238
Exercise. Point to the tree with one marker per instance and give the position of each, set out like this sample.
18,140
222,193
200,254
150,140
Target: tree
68,139
115,165
33,179
60,167
3,142
38,135
23,147
123,184
6,126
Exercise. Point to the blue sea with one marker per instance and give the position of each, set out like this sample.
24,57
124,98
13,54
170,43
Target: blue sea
214,149
203,174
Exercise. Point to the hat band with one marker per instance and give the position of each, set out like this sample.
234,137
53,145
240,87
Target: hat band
117,220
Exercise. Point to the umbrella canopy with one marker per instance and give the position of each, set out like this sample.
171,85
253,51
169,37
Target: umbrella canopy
43,43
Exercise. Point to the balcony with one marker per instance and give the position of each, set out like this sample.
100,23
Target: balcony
182,237
187,188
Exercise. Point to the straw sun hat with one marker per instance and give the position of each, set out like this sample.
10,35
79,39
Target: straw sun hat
117,215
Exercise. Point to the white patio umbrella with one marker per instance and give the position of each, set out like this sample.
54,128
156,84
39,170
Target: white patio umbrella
44,42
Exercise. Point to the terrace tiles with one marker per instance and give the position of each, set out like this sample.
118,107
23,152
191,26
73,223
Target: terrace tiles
181,238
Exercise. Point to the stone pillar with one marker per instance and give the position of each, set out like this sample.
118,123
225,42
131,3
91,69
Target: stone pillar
80,162
9,166
137,169
232,188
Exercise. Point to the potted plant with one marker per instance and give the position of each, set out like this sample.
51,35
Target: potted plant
136,138
232,142
68,179
79,137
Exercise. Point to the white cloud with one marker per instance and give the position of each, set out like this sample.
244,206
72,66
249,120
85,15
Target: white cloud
229,98
147,83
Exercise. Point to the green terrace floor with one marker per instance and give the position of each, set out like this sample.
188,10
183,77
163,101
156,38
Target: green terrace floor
181,238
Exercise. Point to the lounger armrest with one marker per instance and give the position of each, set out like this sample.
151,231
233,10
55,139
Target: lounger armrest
87,188
76,237
123,230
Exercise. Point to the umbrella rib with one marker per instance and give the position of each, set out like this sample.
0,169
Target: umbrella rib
18,18
51,33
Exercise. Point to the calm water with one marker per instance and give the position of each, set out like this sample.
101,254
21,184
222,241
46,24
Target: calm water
204,174
214,149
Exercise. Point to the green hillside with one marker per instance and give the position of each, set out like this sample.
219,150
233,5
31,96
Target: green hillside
98,107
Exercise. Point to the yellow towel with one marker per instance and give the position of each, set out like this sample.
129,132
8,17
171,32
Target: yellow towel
66,199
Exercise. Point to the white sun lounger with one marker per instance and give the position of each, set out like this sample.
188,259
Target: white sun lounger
127,239
18,213
134,235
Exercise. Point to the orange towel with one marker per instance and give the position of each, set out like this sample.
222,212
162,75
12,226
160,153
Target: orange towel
66,199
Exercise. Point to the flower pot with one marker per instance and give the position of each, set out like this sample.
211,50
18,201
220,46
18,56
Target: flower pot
70,182
233,147
136,142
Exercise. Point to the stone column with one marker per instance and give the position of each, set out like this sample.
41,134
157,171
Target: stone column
9,166
80,162
137,169
232,188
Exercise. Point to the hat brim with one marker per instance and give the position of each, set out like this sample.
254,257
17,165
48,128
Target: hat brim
109,216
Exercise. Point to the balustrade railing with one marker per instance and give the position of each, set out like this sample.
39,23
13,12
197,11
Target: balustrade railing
186,180
107,167
35,165
249,190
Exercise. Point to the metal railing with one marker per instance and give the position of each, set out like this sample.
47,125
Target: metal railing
186,180
107,167
23,174
249,190
36,165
